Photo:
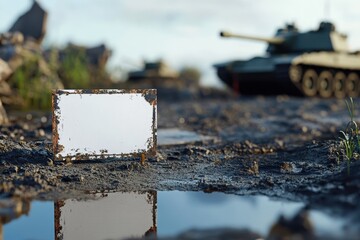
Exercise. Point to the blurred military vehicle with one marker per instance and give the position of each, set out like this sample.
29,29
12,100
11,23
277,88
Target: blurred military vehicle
171,84
154,74
313,63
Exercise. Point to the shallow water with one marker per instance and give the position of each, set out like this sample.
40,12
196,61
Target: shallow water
175,136
121,215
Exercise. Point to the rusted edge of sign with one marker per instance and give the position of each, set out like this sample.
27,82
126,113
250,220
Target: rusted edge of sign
150,96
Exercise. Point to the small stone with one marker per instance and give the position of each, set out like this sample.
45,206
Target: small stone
181,120
81,178
286,167
66,179
254,168
304,129
3,116
29,117
68,161
289,167
41,132
173,158
280,143
188,151
50,162
159,156
13,169
43,119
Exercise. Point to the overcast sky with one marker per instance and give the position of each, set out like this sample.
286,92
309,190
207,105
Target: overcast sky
183,32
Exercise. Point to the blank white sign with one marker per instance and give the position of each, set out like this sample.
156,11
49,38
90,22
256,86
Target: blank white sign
103,123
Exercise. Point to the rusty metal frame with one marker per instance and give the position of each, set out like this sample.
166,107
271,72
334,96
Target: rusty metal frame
150,96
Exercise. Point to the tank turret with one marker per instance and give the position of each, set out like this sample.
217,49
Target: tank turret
316,62
290,40
275,40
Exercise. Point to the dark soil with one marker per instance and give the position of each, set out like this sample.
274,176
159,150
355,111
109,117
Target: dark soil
282,147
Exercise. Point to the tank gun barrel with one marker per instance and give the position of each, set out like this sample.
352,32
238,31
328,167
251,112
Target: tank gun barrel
273,40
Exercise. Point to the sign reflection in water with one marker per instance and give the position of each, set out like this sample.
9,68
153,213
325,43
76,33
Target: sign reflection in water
109,216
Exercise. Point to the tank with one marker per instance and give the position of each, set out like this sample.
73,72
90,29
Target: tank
153,70
313,63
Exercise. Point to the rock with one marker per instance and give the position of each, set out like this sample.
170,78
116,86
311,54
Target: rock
6,94
254,168
5,90
50,162
11,38
289,167
7,52
5,70
32,24
13,169
73,178
3,116
160,157
299,227
12,208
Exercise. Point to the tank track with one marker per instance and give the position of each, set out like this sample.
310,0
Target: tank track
325,82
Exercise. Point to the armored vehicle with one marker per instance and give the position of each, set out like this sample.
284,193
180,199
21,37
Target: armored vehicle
153,71
313,63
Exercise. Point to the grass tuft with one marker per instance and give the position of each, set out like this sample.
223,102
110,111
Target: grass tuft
349,138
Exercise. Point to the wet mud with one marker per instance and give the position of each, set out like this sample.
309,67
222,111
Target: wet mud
282,147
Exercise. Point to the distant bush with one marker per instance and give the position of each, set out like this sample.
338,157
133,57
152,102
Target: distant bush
32,82
190,75
73,69
76,72
37,75
100,78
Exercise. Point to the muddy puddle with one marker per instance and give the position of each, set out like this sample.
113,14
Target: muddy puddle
168,213
283,148
176,136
